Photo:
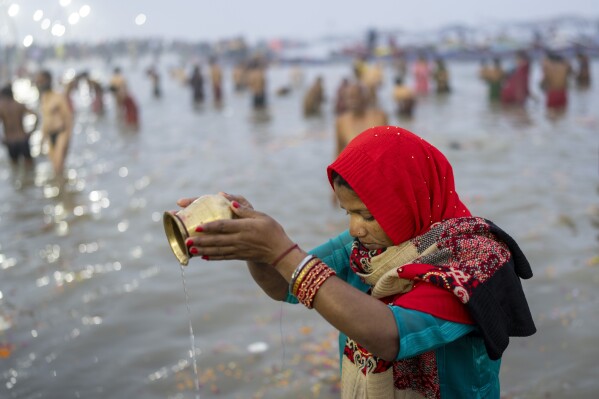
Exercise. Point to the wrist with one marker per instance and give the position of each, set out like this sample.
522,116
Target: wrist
283,254
287,266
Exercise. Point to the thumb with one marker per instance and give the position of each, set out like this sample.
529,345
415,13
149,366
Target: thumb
184,202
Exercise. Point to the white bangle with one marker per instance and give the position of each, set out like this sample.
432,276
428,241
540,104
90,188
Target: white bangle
298,270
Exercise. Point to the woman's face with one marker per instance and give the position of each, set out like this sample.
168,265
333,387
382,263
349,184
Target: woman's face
362,224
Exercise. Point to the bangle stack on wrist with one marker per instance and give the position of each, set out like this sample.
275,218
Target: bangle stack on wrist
307,279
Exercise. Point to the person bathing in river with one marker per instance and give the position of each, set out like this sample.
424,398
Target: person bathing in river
57,121
16,139
425,296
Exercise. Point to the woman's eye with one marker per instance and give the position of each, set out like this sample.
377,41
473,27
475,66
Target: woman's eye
369,218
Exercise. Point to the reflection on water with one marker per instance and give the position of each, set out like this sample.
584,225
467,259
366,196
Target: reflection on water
91,303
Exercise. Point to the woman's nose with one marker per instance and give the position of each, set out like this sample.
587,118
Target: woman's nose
355,228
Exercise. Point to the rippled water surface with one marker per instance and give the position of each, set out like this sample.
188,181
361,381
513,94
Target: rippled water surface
91,298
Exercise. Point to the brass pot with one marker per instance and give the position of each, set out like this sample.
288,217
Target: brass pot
181,225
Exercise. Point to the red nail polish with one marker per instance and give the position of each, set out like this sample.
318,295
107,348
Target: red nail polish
189,242
193,250
199,229
205,257
235,204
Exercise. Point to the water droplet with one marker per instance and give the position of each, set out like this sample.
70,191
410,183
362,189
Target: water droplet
78,211
123,226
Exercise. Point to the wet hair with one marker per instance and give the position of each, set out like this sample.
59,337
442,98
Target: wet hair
340,181
47,75
522,54
6,91
554,56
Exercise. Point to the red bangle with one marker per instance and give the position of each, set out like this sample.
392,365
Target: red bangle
285,253
311,283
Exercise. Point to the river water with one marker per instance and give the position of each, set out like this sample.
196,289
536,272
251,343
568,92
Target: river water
91,298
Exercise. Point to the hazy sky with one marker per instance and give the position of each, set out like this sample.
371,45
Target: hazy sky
256,19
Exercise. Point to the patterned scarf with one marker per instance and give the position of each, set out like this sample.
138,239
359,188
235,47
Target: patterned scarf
436,273
360,256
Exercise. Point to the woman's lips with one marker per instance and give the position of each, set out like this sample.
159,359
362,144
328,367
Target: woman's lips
369,245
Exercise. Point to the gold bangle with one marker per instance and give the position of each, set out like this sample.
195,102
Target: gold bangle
303,274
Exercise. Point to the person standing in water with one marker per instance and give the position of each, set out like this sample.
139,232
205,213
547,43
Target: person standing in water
556,71
493,76
358,117
155,79
441,76
239,76
57,121
421,72
118,87
16,139
256,81
404,98
514,90
96,92
314,98
196,81
341,96
125,104
216,76
583,74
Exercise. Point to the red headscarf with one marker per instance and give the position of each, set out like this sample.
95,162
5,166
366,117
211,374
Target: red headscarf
405,182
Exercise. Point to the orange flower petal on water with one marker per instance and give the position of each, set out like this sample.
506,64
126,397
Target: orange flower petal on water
305,330
5,351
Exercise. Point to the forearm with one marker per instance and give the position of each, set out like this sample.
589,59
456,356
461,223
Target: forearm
269,279
361,317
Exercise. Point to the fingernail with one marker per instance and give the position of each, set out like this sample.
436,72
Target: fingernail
189,242
235,204
199,229
205,257
193,250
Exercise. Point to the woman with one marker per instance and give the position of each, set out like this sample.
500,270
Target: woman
441,76
514,89
424,295
494,77
196,81
421,72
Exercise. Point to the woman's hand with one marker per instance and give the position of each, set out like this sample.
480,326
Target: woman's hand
251,235
184,202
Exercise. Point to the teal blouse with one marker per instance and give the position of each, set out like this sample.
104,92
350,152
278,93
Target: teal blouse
464,368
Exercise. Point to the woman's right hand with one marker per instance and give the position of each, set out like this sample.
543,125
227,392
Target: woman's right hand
250,236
